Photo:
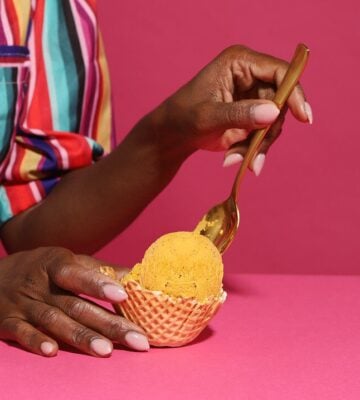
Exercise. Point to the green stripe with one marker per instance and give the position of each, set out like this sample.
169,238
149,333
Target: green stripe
61,67
96,149
7,107
5,209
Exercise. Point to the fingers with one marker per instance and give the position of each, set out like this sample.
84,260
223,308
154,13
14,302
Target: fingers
249,67
270,69
36,316
111,326
79,323
86,326
86,279
237,151
244,114
29,337
59,325
273,133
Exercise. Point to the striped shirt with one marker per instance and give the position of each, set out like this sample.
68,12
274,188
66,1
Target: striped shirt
55,108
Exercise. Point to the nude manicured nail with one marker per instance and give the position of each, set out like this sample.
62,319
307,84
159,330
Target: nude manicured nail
47,348
232,159
258,164
114,293
101,347
265,113
308,112
137,341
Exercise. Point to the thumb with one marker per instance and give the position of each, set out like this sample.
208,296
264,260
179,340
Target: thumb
81,274
243,114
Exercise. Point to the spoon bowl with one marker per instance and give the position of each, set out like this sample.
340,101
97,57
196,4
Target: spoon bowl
220,224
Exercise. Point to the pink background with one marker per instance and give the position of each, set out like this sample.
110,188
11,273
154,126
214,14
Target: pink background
302,214
277,336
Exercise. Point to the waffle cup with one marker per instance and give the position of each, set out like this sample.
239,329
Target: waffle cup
168,321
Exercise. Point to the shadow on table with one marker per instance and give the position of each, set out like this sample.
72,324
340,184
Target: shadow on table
206,334
237,288
67,348
15,345
62,347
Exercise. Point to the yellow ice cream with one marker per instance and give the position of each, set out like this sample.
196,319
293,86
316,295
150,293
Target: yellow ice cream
181,264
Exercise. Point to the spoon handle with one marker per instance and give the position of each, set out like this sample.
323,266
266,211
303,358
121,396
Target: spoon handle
289,82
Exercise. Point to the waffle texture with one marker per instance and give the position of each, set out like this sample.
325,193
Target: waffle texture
168,321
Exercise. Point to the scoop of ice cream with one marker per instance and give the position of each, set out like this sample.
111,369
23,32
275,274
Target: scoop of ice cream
181,264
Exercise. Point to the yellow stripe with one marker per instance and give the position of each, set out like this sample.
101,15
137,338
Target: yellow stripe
22,8
29,168
103,128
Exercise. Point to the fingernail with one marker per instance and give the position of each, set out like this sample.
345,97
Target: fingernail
258,164
47,348
232,159
101,347
114,293
308,112
265,113
137,341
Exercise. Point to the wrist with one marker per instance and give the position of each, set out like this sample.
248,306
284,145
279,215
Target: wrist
160,130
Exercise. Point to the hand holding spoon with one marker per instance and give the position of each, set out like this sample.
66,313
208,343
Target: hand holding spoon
221,222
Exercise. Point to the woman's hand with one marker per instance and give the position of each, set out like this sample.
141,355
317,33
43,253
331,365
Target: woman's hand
228,99
39,303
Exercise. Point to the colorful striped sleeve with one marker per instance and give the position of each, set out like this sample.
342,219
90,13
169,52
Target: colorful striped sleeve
55,100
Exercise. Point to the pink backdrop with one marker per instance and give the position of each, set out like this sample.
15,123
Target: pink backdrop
302,214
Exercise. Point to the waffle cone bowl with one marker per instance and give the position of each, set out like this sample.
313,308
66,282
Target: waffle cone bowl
168,321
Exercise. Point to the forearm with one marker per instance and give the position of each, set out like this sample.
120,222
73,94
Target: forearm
92,205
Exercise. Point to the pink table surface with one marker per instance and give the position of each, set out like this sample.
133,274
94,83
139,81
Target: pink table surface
277,337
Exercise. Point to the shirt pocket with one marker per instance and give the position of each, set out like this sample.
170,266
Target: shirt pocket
14,62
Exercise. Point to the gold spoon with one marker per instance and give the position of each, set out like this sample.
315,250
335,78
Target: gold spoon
221,222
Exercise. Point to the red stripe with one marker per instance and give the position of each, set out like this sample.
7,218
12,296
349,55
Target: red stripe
12,60
92,4
20,197
20,154
76,147
40,111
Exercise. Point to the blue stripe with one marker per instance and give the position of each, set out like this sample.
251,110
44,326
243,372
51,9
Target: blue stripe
97,150
49,184
5,209
28,31
61,67
39,144
14,51
8,91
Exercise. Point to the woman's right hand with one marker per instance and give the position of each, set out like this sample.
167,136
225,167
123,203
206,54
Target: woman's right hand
39,304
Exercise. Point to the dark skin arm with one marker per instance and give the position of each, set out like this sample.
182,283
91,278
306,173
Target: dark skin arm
92,205
215,111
